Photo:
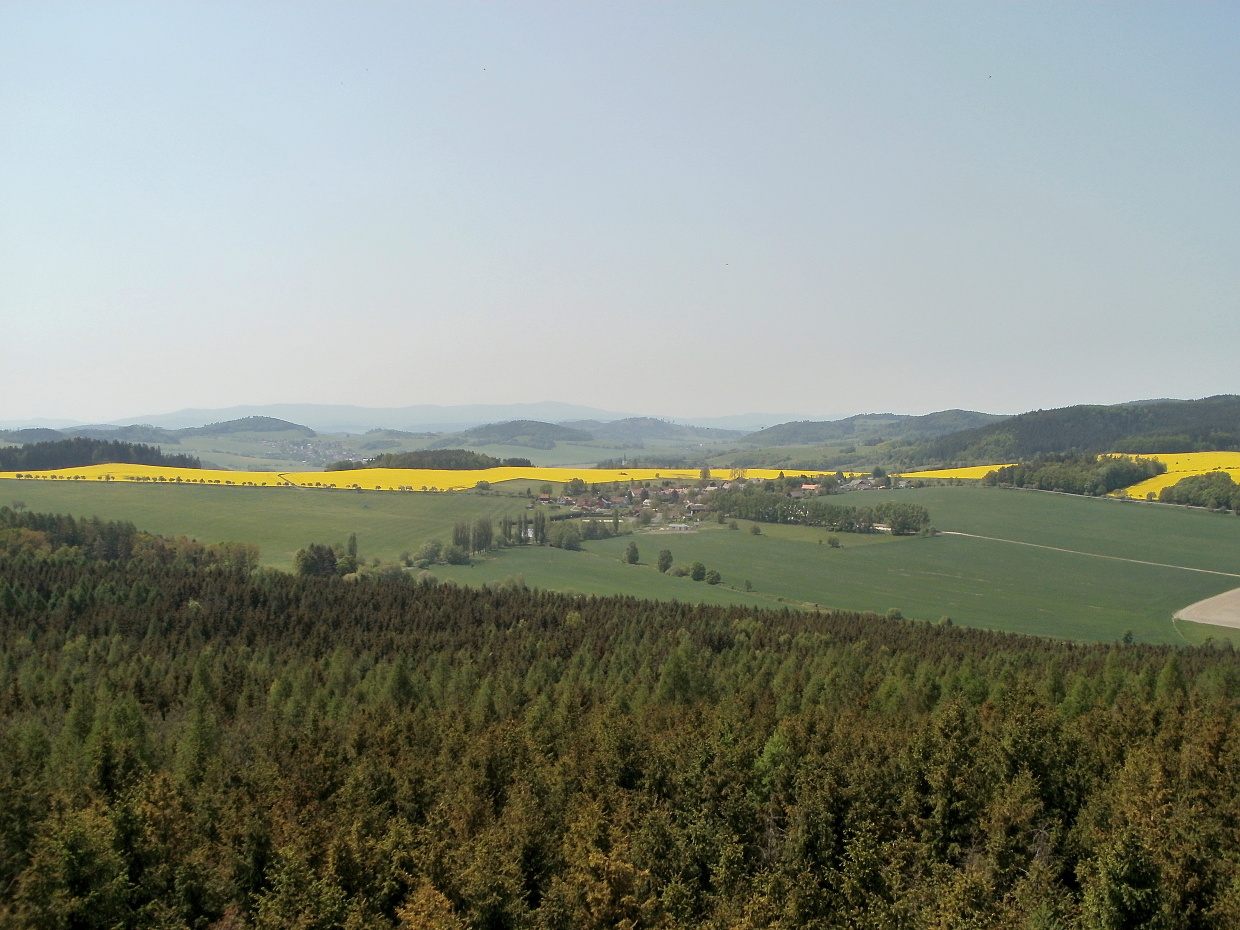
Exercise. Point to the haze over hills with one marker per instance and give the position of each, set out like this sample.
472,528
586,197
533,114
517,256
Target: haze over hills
941,438
641,429
155,435
422,418
419,418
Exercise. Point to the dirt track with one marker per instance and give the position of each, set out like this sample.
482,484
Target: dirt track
1220,610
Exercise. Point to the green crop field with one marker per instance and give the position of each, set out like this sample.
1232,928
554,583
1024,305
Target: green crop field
979,582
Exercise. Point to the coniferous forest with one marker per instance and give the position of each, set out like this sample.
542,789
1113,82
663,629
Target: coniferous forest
186,740
79,450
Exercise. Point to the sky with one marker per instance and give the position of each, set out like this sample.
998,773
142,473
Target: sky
677,209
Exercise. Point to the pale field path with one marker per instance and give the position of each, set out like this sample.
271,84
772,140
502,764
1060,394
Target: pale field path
1096,555
1220,610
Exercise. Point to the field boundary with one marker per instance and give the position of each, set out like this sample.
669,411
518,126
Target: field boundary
1096,555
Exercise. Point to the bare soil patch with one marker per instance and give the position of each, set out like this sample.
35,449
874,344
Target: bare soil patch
1220,610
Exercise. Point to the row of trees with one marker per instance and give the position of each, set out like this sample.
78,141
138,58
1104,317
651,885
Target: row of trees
79,451
191,747
768,507
1077,474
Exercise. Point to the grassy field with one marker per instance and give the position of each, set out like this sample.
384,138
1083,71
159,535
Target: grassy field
280,521
594,572
975,582
1127,529
978,582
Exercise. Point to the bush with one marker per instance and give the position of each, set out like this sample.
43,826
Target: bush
713,577
564,534
456,555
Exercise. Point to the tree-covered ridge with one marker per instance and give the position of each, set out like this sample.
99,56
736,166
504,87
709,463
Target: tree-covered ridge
181,747
1206,425
80,451
865,425
532,434
637,430
447,459
1077,474
247,425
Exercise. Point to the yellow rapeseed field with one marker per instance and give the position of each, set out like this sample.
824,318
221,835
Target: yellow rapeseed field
973,471
373,479
1179,465
1183,465
424,479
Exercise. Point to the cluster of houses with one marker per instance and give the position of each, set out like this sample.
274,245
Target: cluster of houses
687,500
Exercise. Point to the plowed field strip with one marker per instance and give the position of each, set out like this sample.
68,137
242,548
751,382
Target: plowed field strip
1220,610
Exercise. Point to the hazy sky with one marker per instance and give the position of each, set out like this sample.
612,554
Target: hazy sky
673,208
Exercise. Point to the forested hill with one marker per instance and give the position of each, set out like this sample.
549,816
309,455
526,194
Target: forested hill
868,425
1210,424
642,429
533,434
73,453
248,425
211,746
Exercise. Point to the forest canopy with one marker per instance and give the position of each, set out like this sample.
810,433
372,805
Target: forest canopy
187,745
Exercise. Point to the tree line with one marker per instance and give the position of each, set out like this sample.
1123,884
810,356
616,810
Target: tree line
1215,490
80,451
767,506
1077,474
69,539
447,459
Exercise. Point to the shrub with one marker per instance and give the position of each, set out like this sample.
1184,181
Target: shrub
456,555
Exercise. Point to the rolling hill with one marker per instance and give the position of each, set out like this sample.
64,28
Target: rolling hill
870,425
1206,425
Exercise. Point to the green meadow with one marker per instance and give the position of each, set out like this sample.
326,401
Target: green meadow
279,520
1089,592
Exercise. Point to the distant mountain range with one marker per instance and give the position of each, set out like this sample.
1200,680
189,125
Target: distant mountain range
419,418
944,437
155,435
